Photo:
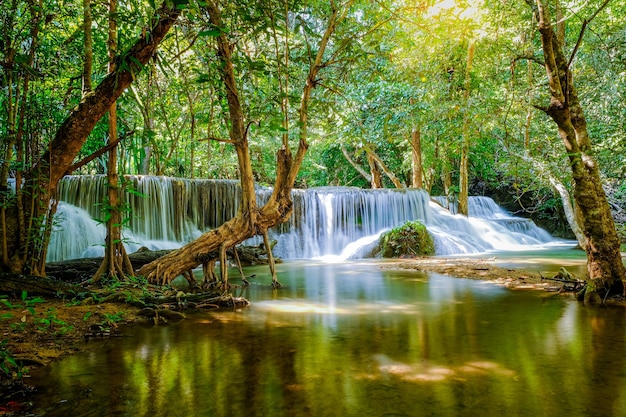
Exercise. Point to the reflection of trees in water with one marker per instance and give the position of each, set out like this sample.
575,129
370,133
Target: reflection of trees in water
460,350
603,356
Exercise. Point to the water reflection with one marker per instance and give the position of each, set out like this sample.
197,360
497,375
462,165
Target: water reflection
354,340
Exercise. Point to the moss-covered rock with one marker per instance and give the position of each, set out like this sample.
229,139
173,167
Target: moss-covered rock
411,239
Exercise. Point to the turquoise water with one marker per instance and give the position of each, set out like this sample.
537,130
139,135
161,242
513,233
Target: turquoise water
355,339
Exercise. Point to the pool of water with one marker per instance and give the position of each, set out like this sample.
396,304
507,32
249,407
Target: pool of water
354,339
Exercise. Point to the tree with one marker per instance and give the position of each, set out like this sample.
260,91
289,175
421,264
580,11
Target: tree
465,147
28,213
250,220
115,263
604,262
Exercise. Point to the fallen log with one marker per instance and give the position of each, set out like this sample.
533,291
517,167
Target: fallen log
80,270
13,285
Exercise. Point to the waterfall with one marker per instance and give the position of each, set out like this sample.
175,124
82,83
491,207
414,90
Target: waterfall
344,222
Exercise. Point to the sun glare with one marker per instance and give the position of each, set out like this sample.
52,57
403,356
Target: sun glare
469,12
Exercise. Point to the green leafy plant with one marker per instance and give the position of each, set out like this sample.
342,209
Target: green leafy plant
10,369
110,321
28,303
51,321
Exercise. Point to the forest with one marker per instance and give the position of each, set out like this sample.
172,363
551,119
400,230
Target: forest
519,100
424,101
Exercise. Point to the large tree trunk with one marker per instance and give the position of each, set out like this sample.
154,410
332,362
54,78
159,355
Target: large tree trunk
604,262
36,204
250,220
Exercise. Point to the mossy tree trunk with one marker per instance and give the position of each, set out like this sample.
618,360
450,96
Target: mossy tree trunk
604,262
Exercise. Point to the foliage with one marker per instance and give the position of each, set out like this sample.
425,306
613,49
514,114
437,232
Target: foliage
397,66
10,369
410,239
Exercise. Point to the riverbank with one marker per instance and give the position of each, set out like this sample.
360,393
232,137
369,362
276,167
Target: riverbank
478,269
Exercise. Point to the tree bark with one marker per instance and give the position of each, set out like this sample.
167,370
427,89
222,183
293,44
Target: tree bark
417,180
604,262
38,194
376,177
115,263
463,207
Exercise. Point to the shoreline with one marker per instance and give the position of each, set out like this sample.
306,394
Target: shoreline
477,269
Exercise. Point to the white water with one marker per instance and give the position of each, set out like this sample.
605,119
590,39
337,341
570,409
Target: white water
330,222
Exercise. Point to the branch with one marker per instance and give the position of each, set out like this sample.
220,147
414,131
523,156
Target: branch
386,170
582,31
98,153
532,58
216,139
356,166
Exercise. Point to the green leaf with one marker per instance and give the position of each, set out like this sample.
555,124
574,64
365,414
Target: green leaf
213,33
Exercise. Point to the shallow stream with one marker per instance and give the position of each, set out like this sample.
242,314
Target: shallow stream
354,339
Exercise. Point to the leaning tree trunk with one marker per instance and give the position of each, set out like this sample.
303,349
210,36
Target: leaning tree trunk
250,220
604,262
41,180
368,177
394,179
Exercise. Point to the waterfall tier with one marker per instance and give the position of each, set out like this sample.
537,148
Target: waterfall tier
167,212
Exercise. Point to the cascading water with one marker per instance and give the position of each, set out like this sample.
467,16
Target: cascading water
326,221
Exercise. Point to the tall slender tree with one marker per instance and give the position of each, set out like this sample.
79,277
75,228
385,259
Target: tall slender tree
115,263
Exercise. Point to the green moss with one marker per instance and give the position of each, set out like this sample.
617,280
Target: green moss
411,239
